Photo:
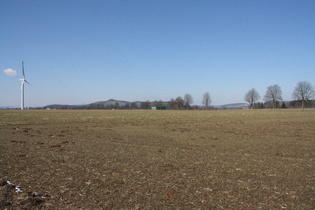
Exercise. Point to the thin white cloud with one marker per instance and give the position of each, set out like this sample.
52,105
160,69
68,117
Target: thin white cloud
10,72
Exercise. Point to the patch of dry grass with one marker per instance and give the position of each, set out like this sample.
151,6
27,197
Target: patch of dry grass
238,159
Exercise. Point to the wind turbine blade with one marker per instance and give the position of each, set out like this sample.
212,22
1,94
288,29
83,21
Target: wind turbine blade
27,82
23,69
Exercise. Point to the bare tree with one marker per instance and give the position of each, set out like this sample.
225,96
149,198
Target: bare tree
303,91
172,104
251,97
159,103
145,105
188,100
273,94
134,105
179,102
206,100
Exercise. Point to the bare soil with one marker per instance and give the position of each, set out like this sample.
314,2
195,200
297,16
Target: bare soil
240,159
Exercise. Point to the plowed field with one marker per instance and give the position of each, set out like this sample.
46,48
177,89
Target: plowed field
238,159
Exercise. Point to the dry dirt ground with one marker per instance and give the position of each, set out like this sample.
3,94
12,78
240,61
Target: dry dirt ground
241,159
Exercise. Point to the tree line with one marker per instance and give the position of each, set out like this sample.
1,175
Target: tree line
302,97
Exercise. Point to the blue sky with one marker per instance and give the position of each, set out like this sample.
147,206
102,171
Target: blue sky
79,51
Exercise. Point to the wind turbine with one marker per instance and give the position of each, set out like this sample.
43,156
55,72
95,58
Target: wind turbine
23,80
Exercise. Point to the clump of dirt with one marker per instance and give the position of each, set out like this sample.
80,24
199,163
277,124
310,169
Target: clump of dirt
12,197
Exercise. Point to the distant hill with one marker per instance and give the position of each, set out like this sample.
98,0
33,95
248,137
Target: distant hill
112,103
63,106
9,107
233,106
95,105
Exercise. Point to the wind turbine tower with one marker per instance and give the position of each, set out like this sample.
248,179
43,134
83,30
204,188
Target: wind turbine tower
23,80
